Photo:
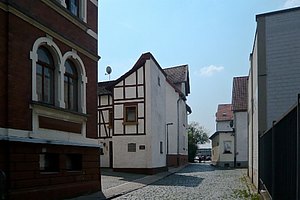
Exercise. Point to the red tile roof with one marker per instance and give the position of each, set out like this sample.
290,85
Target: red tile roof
224,112
240,93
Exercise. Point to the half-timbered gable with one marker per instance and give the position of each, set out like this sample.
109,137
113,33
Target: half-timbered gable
139,112
105,110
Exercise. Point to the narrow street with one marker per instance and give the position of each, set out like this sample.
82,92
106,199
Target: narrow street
196,181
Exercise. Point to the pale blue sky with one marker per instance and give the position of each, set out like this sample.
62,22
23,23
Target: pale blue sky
214,37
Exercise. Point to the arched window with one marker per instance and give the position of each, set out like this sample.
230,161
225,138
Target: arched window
45,76
71,86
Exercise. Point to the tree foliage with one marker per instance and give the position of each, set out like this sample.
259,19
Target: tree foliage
196,135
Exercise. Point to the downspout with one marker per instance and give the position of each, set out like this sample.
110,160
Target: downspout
178,129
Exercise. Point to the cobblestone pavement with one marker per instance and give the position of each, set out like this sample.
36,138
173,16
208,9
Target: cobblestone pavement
112,179
196,181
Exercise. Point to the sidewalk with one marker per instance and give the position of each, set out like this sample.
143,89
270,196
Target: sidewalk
126,186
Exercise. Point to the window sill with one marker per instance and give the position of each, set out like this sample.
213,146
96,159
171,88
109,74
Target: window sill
227,152
41,104
130,123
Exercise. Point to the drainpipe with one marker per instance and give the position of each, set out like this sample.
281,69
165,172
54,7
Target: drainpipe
178,129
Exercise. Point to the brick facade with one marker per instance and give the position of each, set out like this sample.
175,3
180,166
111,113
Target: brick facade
22,23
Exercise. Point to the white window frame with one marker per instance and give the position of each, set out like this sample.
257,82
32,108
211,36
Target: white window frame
82,8
59,72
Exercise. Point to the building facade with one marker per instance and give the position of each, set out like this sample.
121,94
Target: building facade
223,142
133,113
273,77
48,87
240,119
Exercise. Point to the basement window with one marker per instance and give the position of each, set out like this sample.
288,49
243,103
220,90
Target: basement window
49,162
74,162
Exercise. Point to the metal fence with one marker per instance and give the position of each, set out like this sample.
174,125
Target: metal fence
2,185
278,157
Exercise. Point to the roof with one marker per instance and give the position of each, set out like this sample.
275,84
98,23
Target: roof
240,93
277,12
219,132
104,87
179,74
224,112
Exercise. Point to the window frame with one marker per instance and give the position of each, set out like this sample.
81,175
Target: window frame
45,159
51,67
74,78
129,106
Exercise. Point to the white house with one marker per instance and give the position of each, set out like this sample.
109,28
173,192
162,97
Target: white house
273,77
142,118
223,139
240,119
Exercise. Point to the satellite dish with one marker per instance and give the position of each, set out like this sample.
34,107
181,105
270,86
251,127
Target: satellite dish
108,70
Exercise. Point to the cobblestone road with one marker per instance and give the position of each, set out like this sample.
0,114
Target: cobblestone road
196,181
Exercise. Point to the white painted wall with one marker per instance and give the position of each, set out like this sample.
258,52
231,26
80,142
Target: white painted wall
104,159
124,159
226,157
253,117
223,126
156,111
241,131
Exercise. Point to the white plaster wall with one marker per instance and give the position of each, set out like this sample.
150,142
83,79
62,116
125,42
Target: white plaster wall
241,131
250,124
215,150
223,126
118,93
131,79
104,159
254,120
130,92
171,117
158,112
124,159
155,112
228,156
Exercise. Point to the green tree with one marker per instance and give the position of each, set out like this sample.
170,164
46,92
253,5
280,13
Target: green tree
196,135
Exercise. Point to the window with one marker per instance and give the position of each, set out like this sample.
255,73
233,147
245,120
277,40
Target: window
70,86
74,162
45,76
131,113
49,162
227,146
131,147
73,6
161,147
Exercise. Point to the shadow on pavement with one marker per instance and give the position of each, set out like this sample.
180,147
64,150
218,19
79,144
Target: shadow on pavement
202,167
180,180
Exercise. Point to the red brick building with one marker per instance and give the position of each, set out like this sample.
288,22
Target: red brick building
48,98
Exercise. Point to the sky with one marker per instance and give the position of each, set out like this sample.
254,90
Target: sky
214,37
